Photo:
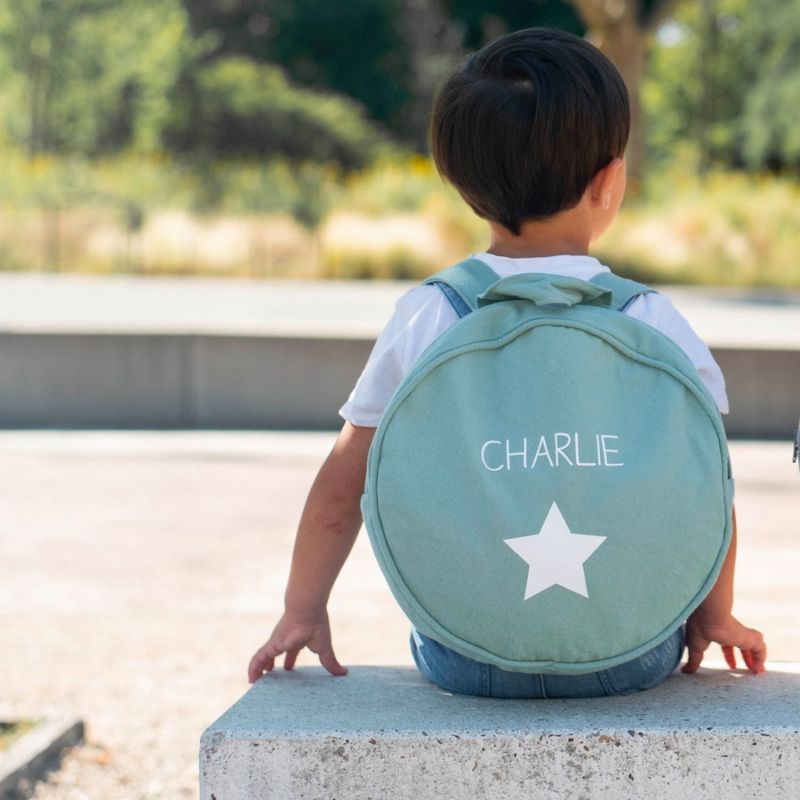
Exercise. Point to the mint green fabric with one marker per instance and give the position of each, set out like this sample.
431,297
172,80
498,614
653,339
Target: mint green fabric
545,398
622,289
546,290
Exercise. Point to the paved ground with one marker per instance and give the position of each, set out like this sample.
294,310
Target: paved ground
141,570
86,303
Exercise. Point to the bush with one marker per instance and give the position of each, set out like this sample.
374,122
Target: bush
395,220
240,109
730,229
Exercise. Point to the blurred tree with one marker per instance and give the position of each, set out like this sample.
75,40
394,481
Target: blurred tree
724,85
97,76
388,54
622,29
92,75
481,21
434,43
34,35
695,85
100,76
769,39
359,48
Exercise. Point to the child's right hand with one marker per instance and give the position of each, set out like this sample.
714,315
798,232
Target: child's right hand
728,632
291,635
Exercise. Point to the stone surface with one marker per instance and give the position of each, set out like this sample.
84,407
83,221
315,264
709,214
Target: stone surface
388,733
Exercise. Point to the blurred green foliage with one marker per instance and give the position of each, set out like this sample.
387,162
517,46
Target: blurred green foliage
356,48
311,80
723,86
771,47
89,76
116,114
480,18
236,108
93,77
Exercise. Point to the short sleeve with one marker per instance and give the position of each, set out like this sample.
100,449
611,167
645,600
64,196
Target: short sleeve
419,317
657,310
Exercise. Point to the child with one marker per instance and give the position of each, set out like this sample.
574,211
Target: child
531,131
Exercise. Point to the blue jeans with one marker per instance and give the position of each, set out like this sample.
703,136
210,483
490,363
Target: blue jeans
457,673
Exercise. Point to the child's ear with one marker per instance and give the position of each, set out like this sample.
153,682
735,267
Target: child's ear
601,188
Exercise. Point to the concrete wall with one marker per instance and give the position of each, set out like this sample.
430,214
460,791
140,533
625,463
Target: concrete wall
763,391
55,380
175,381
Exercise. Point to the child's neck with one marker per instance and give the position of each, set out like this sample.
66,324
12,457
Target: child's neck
550,237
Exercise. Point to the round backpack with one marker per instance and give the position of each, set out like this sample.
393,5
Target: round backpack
549,489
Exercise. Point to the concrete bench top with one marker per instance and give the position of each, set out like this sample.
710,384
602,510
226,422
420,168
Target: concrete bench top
385,732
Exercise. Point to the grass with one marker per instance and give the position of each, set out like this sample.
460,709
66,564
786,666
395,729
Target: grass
396,220
730,229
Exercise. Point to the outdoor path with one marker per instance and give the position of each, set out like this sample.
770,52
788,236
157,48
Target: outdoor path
358,309
141,570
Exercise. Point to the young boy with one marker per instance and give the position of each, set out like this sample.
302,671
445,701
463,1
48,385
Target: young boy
532,131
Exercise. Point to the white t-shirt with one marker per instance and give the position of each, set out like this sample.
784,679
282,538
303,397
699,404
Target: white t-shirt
423,313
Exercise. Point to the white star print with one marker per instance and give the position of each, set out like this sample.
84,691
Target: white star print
555,555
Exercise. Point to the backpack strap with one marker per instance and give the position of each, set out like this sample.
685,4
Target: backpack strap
623,291
463,282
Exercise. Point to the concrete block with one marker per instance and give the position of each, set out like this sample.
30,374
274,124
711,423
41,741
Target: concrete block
385,732
36,753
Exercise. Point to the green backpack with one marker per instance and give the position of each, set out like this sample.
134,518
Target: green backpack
549,489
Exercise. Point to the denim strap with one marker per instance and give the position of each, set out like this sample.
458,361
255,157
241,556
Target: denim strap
466,280
459,306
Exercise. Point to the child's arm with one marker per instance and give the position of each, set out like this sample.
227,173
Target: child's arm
713,622
328,528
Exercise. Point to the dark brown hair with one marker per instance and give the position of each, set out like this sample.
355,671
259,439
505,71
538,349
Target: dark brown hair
526,122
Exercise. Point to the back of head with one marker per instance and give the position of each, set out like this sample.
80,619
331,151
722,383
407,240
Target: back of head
525,123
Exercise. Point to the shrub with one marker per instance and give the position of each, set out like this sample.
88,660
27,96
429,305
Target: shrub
237,108
730,229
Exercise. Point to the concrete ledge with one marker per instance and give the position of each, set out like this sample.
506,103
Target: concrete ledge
31,757
385,732
149,380
142,352
117,380
763,391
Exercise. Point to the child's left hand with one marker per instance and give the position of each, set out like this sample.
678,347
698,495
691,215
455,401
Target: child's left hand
727,632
